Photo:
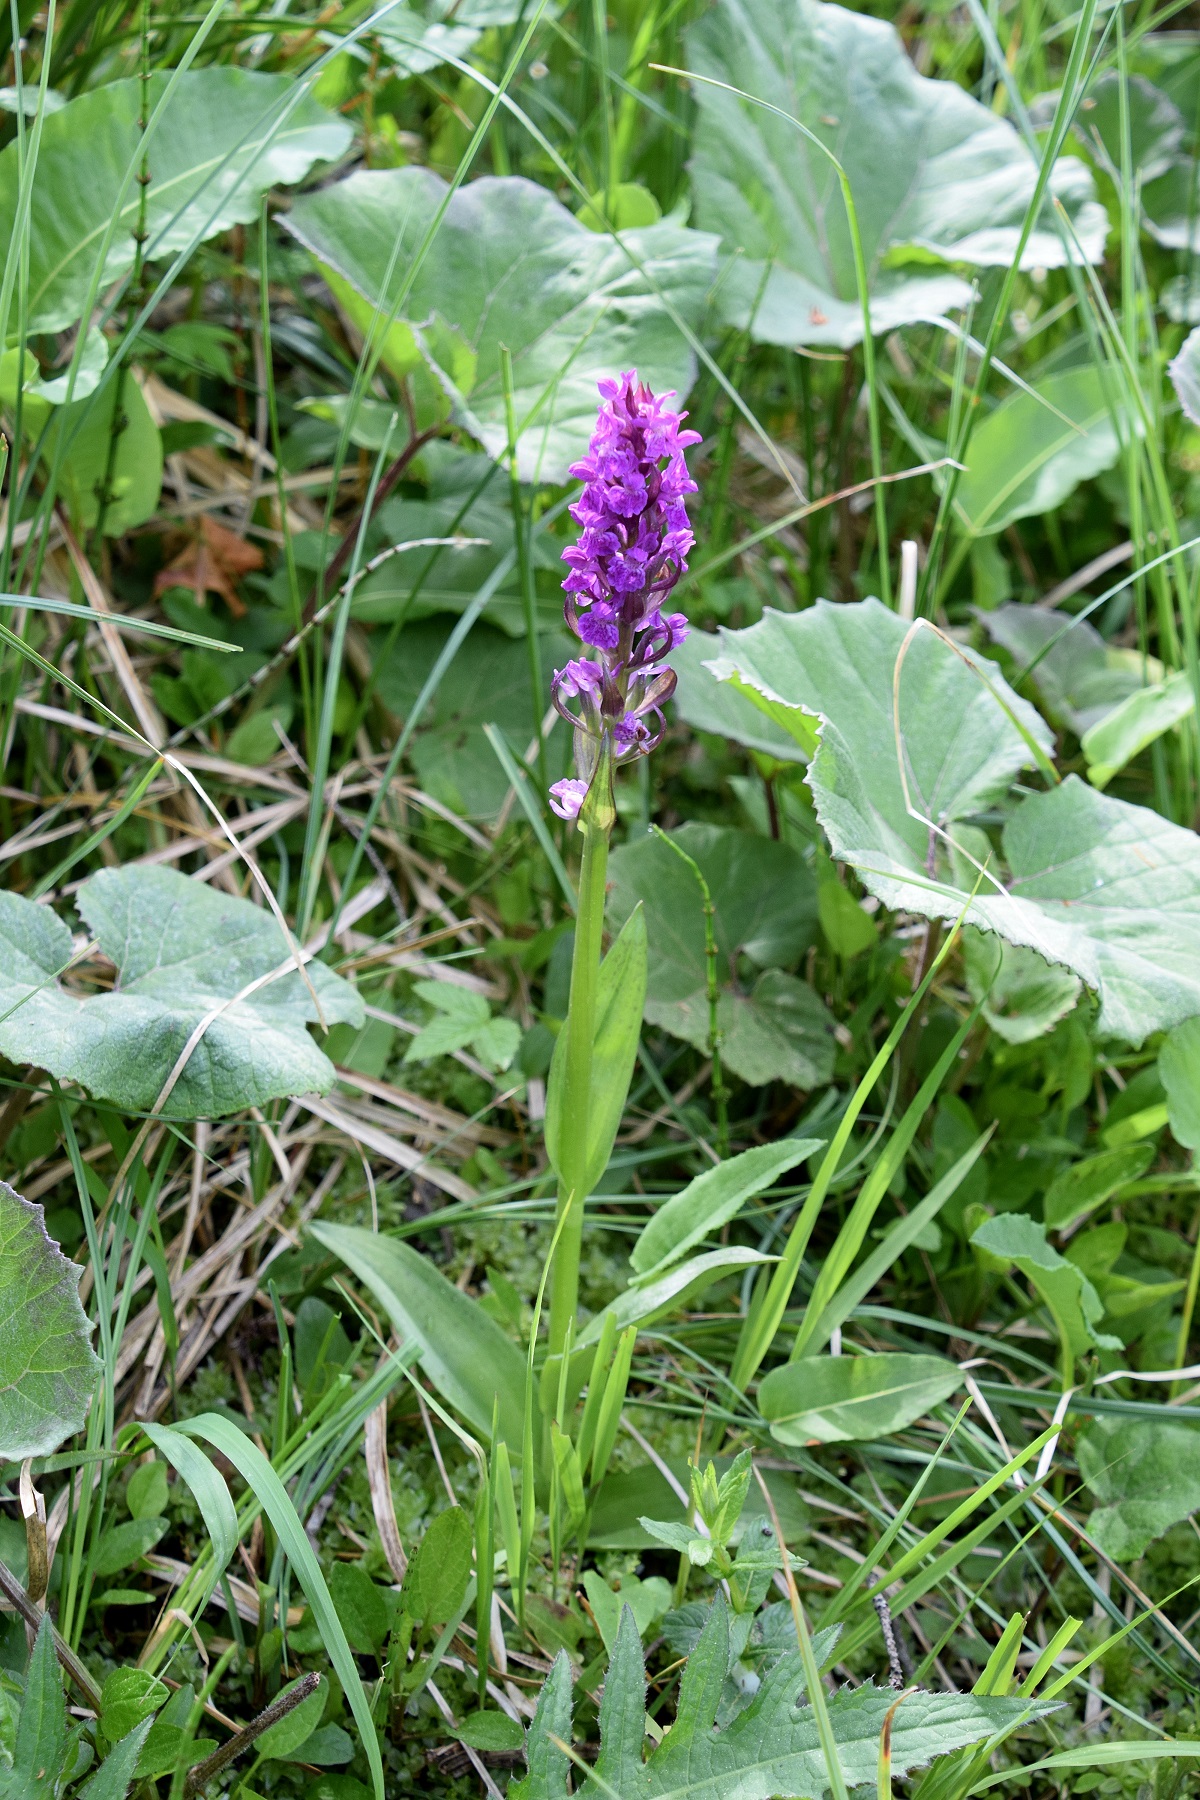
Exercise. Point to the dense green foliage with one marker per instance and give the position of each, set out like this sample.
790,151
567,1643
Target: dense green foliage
697,1305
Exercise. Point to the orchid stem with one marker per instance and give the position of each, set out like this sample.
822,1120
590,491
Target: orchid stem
580,1028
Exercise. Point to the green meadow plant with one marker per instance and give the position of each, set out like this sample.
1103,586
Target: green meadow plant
619,1196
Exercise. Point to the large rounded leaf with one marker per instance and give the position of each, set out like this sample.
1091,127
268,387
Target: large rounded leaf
1037,446
48,1368
1108,889
765,909
934,175
182,952
511,267
228,135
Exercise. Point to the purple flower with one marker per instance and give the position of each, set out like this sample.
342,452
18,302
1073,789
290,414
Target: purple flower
580,679
566,798
632,548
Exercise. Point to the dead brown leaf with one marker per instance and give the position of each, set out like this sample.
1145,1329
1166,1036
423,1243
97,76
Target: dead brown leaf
214,561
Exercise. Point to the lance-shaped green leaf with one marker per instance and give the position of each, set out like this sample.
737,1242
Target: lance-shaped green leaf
184,953
1088,1184
1078,676
833,1398
1140,719
229,135
1036,447
1069,1296
48,1368
1110,890
40,1752
773,1027
549,1763
643,1301
469,1360
620,998
936,177
771,1748
714,1198
263,1481
511,268
1145,1477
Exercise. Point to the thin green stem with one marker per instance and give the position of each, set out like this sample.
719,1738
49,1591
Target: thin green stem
577,1081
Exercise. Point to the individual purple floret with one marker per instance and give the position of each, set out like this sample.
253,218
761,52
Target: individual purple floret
632,549
567,797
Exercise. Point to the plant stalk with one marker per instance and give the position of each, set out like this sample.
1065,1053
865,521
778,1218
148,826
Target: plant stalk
580,1028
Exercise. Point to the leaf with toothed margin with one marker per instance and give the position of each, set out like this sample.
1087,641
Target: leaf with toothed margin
771,1749
184,954
48,1368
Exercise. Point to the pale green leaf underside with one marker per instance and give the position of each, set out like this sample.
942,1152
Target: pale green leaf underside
416,37
182,950
933,173
510,266
1110,890
230,134
48,1368
834,1398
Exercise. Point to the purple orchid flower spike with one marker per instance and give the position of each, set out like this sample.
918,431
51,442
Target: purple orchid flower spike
633,545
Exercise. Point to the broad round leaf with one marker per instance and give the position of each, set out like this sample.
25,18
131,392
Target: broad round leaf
229,135
934,174
510,266
1146,1477
1079,677
183,951
1025,458
765,908
491,1730
48,1368
1110,890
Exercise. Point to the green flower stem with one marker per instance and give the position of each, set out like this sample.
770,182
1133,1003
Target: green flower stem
577,1077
